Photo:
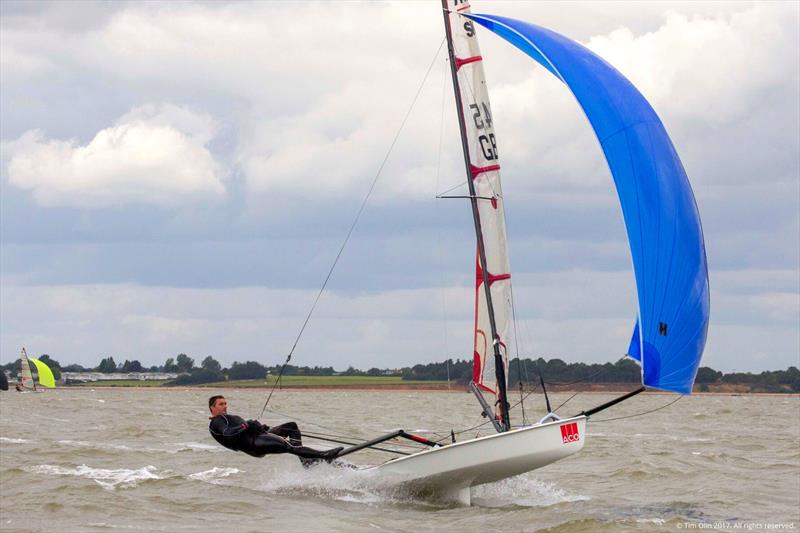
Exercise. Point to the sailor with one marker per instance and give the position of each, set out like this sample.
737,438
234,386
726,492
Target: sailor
254,438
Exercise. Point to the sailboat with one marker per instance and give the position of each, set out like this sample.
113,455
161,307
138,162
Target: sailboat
26,381
664,233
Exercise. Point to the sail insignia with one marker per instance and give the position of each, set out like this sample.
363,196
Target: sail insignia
658,205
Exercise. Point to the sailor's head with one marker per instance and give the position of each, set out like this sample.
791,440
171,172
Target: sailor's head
218,405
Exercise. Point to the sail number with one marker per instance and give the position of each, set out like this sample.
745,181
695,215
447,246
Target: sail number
469,28
483,121
476,115
488,146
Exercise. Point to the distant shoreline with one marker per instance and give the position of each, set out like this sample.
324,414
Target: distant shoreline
593,388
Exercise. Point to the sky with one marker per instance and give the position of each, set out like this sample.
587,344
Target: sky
178,177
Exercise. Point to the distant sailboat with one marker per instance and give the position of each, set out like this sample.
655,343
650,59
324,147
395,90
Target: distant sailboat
664,233
26,381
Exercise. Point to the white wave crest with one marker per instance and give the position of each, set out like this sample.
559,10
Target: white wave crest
109,479
215,475
326,481
13,441
194,446
368,486
525,490
97,445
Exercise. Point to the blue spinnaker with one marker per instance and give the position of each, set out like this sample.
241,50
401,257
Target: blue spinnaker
661,217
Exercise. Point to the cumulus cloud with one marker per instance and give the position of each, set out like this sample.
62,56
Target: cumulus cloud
708,69
324,100
714,80
21,65
155,154
320,153
312,94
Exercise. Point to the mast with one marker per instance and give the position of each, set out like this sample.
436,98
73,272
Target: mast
498,358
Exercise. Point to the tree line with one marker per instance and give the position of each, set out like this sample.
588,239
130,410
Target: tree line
553,371
558,372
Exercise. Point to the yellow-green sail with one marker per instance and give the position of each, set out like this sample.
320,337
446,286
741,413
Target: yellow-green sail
45,374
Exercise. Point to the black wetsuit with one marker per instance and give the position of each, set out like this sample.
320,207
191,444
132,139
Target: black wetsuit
254,438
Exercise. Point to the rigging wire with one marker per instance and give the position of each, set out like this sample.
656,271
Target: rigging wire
585,378
639,414
326,436
441,127
565,402
310,423
439,245
451,189
353,225
516,348
334,434
581,380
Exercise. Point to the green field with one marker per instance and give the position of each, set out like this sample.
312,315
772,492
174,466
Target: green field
286,382
325,381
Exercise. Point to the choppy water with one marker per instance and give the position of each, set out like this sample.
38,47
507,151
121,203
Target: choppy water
142,460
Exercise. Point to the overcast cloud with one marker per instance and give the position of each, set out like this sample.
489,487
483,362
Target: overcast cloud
177,177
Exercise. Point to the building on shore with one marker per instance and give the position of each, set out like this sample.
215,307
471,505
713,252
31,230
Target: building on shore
86,377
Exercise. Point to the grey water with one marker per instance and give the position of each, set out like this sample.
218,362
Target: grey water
110,459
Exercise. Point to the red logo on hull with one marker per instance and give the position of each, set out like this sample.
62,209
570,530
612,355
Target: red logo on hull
569,433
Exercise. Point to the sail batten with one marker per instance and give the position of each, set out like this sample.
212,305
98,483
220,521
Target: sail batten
658,205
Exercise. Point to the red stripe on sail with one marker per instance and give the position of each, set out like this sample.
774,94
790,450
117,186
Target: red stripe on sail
461,62
487,389
492,277
462,8
477,171
476,367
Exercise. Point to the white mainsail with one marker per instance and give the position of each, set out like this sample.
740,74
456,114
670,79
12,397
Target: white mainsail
25,371
485,170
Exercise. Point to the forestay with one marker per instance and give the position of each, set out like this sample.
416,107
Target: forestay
485,173
658,205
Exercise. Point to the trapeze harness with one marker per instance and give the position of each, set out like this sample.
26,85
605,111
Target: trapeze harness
254,438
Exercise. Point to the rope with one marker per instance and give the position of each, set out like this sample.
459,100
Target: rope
565,402
353,225
638,414
516,348
585,378
334,434
350,443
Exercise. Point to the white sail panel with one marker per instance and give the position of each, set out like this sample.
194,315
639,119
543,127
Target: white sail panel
25,371
485,167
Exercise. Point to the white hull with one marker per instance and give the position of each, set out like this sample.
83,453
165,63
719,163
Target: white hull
449,471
